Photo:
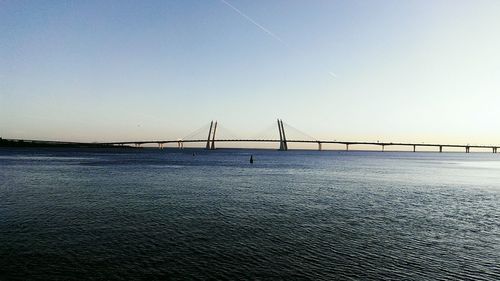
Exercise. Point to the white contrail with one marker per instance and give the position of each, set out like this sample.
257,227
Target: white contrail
269,32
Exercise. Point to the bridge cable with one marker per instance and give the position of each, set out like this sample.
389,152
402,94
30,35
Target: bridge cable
263,133
299,131
200,131
222,130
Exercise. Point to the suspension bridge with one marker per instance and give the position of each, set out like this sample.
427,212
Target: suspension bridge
210,141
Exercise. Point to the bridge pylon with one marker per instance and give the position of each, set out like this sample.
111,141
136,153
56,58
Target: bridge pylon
209,134
281,136
212,147
281,129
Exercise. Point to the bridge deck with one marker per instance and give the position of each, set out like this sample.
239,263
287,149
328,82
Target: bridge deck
319,142
306,141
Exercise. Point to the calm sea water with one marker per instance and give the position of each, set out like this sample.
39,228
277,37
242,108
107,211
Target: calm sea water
69,214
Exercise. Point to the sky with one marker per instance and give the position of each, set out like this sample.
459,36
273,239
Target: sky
417,71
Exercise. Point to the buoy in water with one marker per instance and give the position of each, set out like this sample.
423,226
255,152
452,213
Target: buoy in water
251,159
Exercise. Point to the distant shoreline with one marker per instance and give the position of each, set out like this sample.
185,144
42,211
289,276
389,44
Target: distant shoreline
21,143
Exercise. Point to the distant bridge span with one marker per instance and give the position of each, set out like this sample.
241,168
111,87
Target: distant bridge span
211,140
318,142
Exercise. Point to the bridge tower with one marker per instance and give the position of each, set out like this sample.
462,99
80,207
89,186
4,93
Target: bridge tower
213,136
209,134
281,129
281,136
284,136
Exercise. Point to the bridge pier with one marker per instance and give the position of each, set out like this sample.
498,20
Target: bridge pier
383,148
467,149
319,146
440,148
160,145
180,144
346,147
494,149
414,148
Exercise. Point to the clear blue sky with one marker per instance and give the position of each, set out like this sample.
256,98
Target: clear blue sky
366,70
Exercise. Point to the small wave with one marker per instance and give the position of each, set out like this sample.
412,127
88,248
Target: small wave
481,164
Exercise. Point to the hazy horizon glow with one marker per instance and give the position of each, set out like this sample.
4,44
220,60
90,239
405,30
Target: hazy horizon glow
420,71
